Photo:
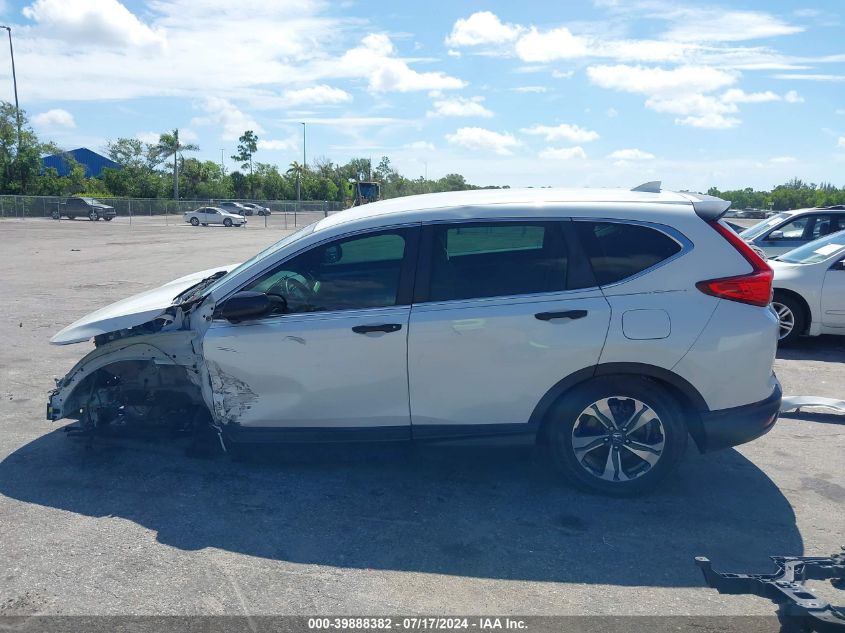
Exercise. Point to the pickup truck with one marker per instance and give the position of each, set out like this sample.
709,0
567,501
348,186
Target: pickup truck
83,207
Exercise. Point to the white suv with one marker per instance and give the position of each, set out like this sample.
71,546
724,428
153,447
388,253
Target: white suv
607,324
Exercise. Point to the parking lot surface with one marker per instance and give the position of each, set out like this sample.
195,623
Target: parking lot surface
136,527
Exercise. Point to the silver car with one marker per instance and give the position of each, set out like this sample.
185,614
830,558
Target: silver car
599,322
791,229
213,215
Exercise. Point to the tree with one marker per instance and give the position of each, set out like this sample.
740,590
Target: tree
247,146
20,166
170,145
296,171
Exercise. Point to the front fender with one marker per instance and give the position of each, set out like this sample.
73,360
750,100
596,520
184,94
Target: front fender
163,348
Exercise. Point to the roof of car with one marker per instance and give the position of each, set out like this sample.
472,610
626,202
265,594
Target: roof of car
487,197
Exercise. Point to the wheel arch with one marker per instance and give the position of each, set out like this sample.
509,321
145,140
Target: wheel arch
805,305
690,400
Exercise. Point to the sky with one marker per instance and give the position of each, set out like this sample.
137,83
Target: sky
576,93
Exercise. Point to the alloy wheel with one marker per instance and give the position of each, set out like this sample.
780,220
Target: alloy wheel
786,319
618,438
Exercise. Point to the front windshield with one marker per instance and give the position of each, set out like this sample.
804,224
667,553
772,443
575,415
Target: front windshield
267,252
761,227
817,251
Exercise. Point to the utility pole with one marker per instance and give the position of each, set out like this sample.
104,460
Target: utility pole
17,106
222,164
304,162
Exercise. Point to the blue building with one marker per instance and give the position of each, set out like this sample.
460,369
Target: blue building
93,162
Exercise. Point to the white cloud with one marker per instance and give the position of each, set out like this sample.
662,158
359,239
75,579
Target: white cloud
612,113
655,80
560,43
810,77
150,138
460,106
735,95
482,27
563,153
841,142
562,132
717,25
630,154
793,97
530,89
320,94
224,113
562,74
478,138
374,59
783,159
55,118
99,22
710,120
421,145
279,144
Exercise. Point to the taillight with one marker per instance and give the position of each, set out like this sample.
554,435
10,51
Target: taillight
754,288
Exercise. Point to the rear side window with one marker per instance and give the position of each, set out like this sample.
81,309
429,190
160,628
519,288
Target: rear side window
617,250
476,260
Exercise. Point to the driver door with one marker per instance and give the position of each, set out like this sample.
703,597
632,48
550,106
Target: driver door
334,362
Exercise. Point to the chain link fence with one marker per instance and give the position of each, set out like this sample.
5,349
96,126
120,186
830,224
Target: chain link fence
286,214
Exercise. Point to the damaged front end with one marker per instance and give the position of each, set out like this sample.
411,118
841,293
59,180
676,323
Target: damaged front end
148,374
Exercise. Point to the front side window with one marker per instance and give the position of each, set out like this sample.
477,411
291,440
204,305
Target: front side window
617,250
475,260
346,274
793,230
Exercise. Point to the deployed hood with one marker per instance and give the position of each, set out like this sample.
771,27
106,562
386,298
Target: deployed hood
131,312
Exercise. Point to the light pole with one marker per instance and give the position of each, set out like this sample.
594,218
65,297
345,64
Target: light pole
304,162
15,82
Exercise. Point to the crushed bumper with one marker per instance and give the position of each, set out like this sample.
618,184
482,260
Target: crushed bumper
730,427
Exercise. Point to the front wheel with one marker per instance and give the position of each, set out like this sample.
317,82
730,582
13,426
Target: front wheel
227,222
195,222
56,215
618,435
791,319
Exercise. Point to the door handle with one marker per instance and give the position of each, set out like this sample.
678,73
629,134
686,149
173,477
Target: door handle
384,327
569,314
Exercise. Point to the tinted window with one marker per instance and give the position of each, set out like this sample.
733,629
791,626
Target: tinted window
352,273
793,230
476,260
617,250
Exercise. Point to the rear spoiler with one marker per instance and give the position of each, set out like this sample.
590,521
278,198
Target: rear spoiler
708,208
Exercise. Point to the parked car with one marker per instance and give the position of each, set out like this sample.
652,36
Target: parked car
213,215
791,229
235,207
809,289
597,321
256,208
77,207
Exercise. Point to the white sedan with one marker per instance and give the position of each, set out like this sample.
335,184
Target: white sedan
809,288
213,215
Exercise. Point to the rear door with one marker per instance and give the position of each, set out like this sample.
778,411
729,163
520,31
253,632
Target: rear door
833,296
503,311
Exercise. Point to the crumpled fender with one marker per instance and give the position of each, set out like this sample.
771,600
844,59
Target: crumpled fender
163,348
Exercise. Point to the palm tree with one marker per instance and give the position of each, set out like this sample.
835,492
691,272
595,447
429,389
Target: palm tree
169,145
296,170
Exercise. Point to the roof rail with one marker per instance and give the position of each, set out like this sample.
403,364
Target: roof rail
649,187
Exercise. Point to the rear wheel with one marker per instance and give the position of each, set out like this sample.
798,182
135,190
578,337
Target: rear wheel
227,222
195,222
791,317
93,216
56,215
617,435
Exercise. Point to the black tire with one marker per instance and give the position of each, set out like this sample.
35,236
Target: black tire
93,216
195,222
56,215
788,307
624,471
227,222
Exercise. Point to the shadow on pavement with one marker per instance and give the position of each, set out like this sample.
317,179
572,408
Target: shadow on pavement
479,512
825,348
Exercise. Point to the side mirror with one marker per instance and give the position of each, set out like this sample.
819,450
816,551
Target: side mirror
775,235
243,306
